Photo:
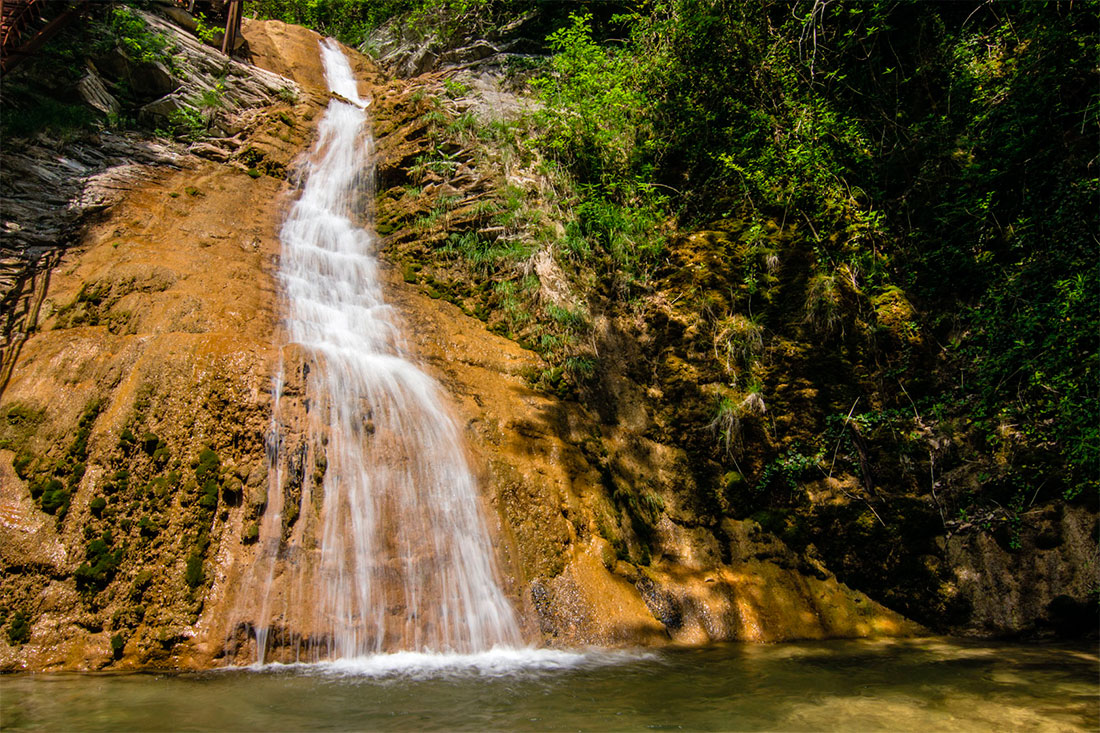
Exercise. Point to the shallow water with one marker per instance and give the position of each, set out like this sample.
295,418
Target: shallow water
924,684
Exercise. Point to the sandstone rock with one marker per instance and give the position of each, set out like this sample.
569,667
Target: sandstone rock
152,80
477,51
209,151
95,94
161,111
1027,591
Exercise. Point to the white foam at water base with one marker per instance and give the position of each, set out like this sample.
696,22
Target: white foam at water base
497,662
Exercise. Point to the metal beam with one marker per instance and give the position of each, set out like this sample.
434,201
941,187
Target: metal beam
13,58
232,26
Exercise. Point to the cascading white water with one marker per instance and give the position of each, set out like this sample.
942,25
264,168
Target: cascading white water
401,558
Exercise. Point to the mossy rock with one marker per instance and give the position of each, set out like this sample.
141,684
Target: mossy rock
207,466
19,630
148,527
143,579
193,574
127,441
232,491
118,644
257,502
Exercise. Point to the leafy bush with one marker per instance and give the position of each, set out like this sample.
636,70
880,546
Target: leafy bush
594,114
782,475
137,40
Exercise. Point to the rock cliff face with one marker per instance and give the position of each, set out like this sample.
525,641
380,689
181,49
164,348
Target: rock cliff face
136,407
693,413
136,410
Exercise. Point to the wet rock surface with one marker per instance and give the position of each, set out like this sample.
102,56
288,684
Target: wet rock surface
139,401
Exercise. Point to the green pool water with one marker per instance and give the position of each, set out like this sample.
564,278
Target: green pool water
913,684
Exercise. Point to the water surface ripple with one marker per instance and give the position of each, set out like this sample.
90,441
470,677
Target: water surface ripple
893,685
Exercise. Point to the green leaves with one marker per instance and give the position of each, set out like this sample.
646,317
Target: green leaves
943,152
140,43
594,108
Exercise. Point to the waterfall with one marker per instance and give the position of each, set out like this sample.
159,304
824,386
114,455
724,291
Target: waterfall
391,551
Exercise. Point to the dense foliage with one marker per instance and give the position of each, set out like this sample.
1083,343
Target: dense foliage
939,155
351,20
944,149
40,95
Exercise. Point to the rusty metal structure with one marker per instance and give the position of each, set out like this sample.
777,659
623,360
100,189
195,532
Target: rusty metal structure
233,15
25,18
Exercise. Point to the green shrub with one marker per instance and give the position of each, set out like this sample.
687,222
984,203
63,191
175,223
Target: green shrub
193,575
593,104
21,463
19,630
101,563
118,643
455,88
139,41
782,475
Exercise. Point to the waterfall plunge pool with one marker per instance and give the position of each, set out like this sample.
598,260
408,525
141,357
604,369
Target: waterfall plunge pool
907,684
